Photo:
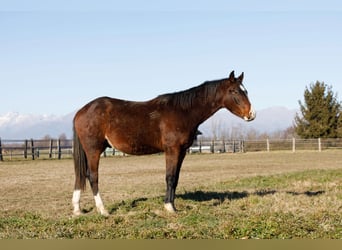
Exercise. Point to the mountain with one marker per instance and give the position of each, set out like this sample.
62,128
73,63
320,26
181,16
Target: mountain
267,120
26,126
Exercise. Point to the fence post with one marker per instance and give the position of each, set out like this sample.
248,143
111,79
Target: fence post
32,149
59,149
1,158
293,144
319,145
25,149
50,148
72,147
268,145
200,146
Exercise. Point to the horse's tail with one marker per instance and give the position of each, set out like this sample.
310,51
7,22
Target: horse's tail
80,162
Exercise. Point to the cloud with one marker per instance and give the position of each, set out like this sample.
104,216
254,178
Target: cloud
25,126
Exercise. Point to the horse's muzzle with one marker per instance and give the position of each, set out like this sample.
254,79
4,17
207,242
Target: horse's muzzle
251,115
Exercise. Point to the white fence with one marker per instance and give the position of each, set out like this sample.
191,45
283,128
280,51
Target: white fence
233,146
294,144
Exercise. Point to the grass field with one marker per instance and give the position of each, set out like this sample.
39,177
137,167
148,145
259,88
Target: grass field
221,196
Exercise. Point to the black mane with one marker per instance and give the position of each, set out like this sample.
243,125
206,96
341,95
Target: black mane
185,99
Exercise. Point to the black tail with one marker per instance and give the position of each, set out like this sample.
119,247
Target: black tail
80,162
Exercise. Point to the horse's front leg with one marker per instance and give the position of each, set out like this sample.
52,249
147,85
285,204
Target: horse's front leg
174,159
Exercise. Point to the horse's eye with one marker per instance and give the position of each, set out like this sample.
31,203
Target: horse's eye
234,91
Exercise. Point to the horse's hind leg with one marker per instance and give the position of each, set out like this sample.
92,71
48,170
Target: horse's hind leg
93,179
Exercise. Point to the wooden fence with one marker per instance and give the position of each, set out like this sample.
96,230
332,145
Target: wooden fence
58,149
32,149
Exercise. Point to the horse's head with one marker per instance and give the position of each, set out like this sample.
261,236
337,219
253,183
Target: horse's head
236,100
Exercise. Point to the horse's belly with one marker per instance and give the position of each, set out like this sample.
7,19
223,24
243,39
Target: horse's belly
138,149
133,146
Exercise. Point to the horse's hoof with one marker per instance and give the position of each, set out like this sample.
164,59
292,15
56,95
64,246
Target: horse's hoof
105,213
77,213
170,207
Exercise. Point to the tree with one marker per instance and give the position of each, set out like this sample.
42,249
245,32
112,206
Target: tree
320,113
62,137
63,140
339,125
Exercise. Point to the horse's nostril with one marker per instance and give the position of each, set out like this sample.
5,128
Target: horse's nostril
251,116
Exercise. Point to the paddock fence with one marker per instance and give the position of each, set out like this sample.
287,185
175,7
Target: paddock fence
34,149
31,149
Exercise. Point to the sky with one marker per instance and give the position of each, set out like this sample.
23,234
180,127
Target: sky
55,56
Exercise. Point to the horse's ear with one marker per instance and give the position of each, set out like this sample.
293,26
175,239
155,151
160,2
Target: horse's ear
232,76
240,78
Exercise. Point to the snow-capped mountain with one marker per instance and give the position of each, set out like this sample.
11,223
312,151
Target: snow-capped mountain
267,121
26,126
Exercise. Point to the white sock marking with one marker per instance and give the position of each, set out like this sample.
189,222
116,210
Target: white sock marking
169,207
76,202
99,205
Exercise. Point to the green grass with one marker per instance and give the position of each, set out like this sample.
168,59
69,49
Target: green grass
303,204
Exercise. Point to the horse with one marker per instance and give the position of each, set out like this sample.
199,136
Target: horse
167,123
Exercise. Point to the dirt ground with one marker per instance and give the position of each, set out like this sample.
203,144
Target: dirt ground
46,186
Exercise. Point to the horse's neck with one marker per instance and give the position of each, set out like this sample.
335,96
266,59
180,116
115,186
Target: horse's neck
202,110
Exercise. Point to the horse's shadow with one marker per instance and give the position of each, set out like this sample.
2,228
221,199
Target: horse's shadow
307,193
202,196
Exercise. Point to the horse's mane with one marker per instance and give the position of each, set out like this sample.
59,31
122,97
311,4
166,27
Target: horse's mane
186,99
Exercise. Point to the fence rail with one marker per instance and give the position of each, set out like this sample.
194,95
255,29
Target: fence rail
58,149
32,149
293,144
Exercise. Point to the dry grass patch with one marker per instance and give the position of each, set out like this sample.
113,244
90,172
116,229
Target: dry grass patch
252,195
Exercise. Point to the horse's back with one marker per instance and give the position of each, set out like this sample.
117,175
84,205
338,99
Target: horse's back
105,109
132,127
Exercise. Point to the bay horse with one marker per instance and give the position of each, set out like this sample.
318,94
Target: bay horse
167,123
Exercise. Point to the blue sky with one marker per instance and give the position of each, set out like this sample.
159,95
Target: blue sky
57,56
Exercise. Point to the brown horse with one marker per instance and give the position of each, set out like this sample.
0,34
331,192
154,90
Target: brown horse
167,124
